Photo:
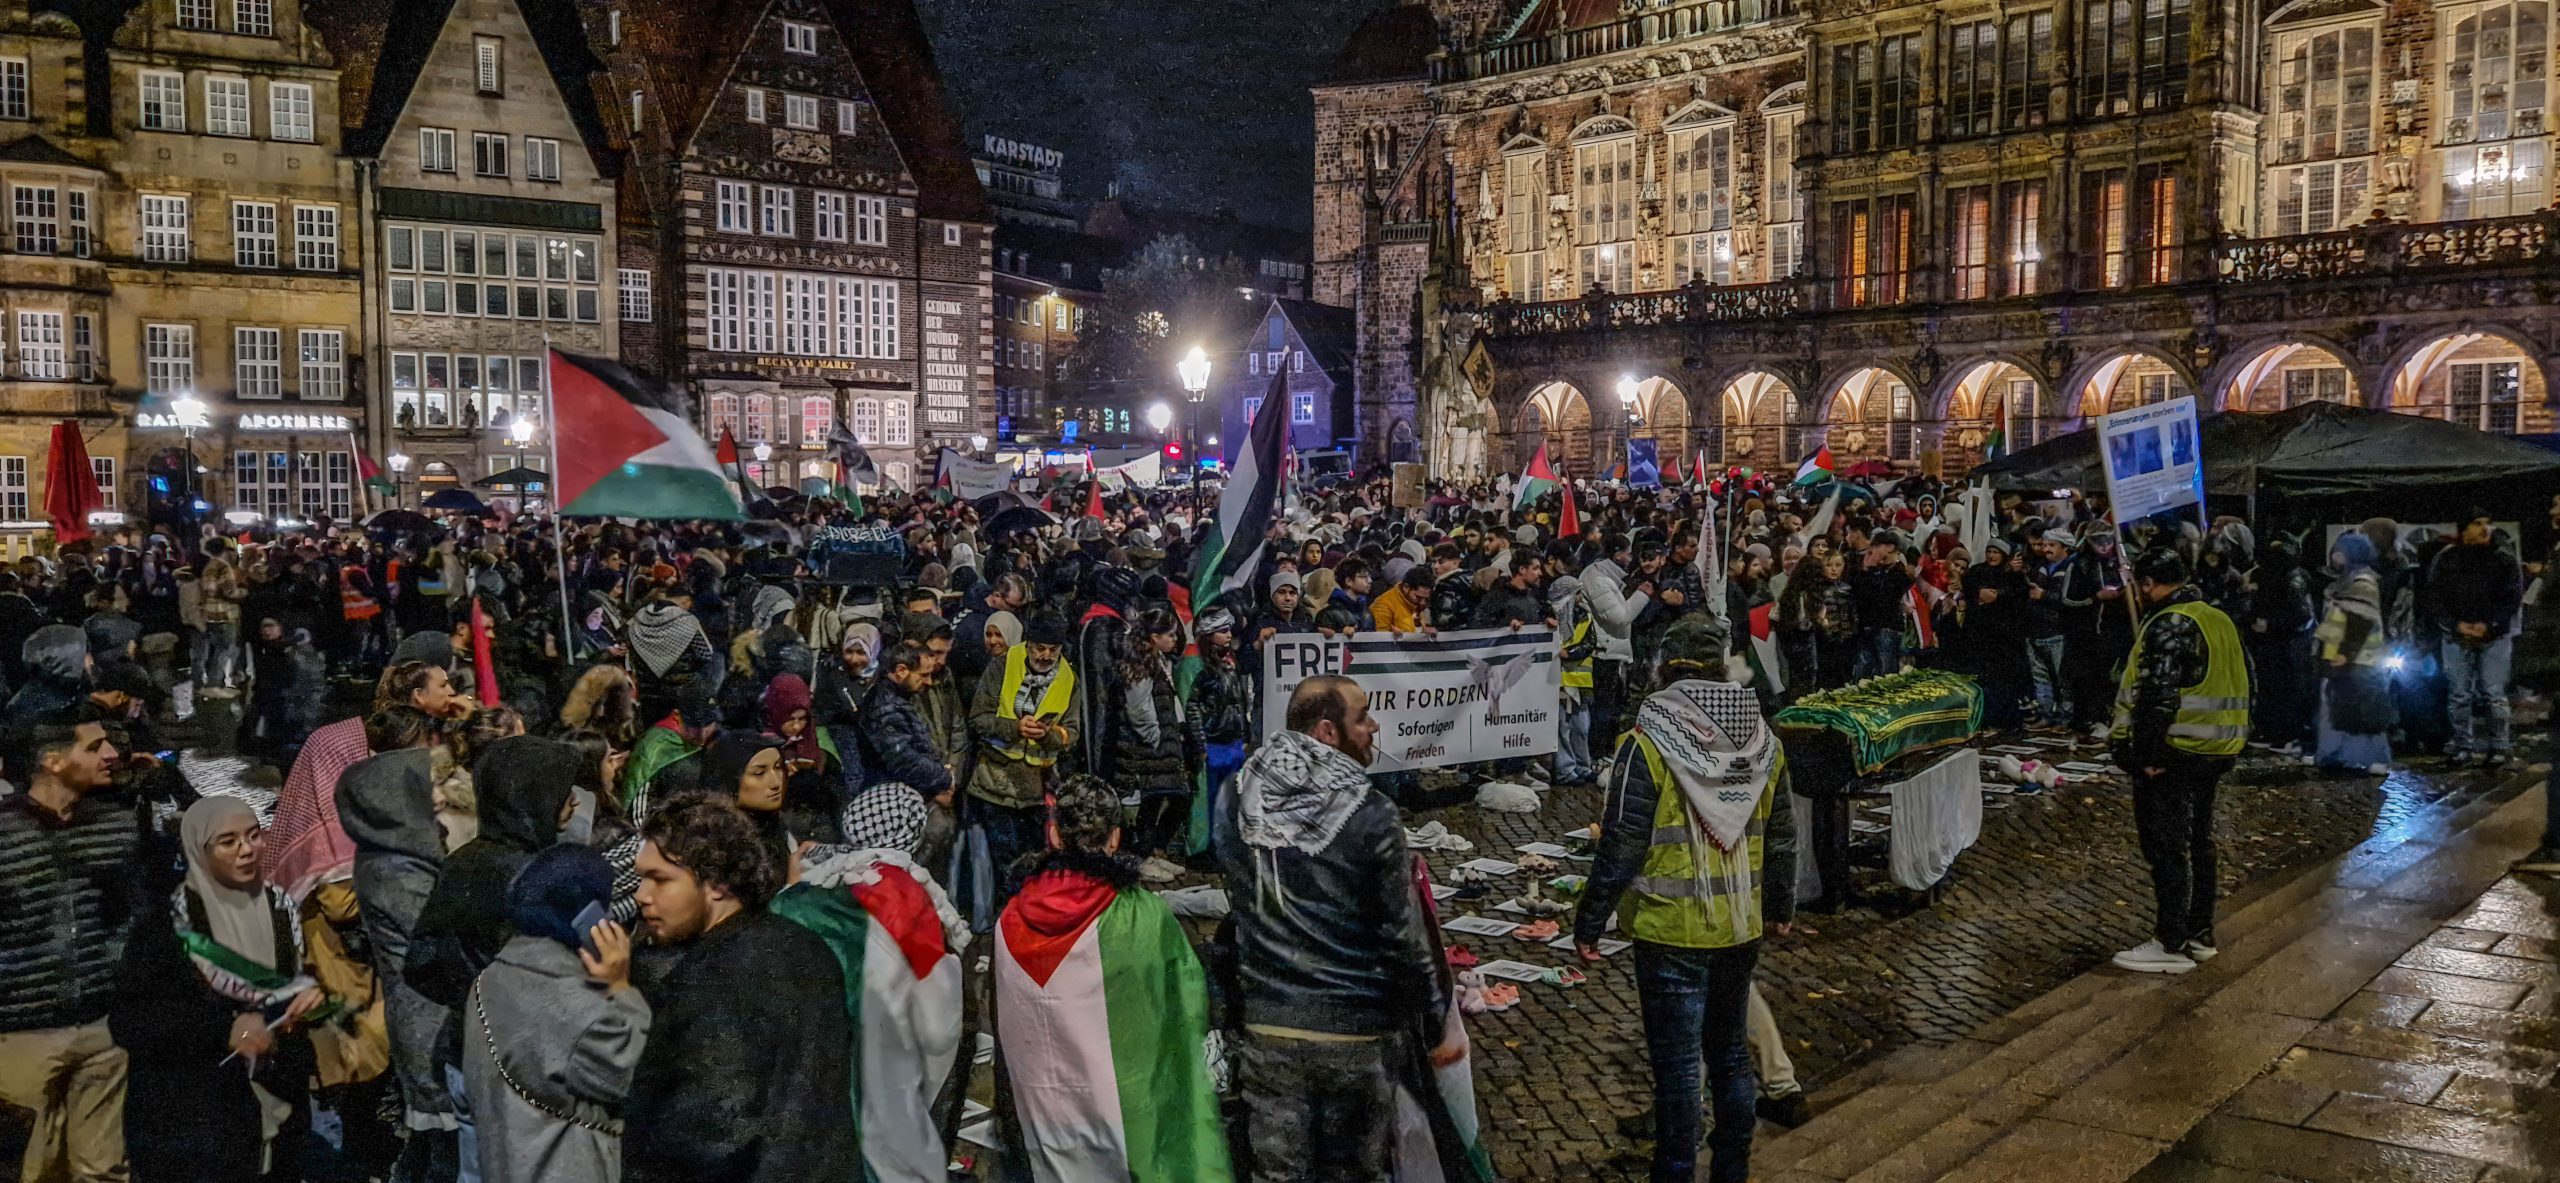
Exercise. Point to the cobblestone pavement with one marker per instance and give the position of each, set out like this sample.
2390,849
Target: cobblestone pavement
2054,886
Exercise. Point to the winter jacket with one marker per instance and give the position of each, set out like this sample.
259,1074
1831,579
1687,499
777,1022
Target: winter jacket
1453,600
568,1042
1501,607
2473,585
385,805
835,699
57,674
221,592
1139,762
1392,612
2174,657
69,890
1222,707
1609,589
897,743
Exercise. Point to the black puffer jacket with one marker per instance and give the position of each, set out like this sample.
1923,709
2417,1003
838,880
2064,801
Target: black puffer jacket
1136,761
2173,657
1453,600
897,743
69,890
1333,941
1222,701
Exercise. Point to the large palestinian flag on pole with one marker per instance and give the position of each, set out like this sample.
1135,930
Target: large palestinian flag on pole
622,447
1101,1008
1231,551
1536,481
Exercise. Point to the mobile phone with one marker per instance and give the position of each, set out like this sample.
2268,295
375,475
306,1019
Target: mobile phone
585,924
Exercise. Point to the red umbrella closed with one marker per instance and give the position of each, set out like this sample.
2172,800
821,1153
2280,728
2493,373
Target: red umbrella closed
70,486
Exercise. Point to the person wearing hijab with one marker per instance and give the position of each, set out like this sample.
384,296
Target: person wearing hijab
747,767
525,794
1004,631
210,1008
836,698
2355,690
554,1030
813,767
898,938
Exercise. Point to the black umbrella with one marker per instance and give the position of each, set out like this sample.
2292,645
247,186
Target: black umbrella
1003,500
1020,518
399,521
514,478
456,498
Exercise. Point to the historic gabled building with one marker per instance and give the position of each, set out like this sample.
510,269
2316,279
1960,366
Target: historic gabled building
53,278
815,243
1314,344
225,227
1901,227
491,212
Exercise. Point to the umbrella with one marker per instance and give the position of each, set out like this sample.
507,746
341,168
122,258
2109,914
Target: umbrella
1007,499
70,486
398,521
514,478
782,492
1019,518
1869,469
456,498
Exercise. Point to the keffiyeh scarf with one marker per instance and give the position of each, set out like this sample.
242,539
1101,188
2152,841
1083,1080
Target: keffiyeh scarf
1722,757
1297,794
663,634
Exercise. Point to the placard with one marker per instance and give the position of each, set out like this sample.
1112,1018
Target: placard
1480,694
1407,490
2154,459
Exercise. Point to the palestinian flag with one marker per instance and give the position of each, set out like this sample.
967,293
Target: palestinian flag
1817,468
1569,522
903,996
1996,446
621,447
1538,480
1101,1008
1701,479
1763,651
1230,550
1915,608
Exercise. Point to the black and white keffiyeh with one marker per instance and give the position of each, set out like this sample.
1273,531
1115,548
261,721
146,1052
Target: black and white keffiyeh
1719,750
1297,793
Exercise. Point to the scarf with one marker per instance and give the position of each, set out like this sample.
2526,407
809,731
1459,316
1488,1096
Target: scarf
663,634
1722,757
886,816
770,602
1297,794
238,939
1026,701
2357,595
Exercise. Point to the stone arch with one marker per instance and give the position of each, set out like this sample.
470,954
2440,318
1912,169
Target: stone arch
2482,376
2272,375
1558,415
1790,95
2123,378
1751,415
1998,393
1873,412
1601,127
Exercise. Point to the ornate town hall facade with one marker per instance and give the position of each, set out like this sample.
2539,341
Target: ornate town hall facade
1904,227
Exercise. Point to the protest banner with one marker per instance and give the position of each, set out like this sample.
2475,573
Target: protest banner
971,478
1481,694
1407,490
2153,459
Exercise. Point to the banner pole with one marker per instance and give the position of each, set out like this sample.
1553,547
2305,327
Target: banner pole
559,545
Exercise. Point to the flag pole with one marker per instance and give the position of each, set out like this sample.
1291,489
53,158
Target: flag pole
559,545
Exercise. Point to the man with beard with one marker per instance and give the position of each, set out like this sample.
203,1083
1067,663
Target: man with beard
748,1071
1022,717
1332,948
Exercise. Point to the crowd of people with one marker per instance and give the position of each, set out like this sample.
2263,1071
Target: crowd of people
728,871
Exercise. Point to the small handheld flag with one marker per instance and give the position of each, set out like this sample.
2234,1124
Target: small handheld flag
1816,468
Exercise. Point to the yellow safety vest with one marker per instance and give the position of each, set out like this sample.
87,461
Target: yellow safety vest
1671,905
2213,714
1578,673
1053,703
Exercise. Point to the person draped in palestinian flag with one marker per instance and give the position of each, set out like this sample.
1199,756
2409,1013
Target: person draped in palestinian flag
1101,1012
898,938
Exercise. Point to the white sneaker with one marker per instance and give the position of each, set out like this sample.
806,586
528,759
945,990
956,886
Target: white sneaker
2149,958
1158,869
2199,952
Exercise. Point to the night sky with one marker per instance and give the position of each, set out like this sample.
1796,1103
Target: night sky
1188,103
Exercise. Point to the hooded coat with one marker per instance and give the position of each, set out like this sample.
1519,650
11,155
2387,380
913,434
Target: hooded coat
386,807
522,784
56,660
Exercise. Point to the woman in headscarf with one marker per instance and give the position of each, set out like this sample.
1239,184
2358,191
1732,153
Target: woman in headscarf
1004,631
209,1008
813,768
747,766
898,938
843,683
554,1029
2355,690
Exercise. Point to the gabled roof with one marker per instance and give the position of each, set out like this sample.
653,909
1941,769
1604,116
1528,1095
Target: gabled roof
686,48
1331,334
35,149
896,59
382,48
1391,44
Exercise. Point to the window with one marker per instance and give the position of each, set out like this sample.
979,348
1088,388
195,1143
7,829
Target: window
435,149
882,296
289,111
2315,384
489,153
253,233
169,358
1875,94
2021,234
76,203
780,202
84,346
897,424
724,309
1785,211
950,235
2323,103
255,18
1252,407
613,27
33,216
40,353
1973,77
2313,198
848,117
315,237
1702,204
1969,253
2496,84
2127,225
635,110
103,469
1302,406
13,88
226,106
807,323
1872,244
759,419
166,237
817,420
195,14
799,38
487,65
1604,205
164,101
755,106
866,420
2027,66
257,362
324,365
800,111
735,207
13,488
827,217
871,221
541,159
635,294
2484,395
2133,56
342,485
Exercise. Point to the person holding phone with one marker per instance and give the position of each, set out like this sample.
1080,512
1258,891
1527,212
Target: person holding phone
1019,718
553,1029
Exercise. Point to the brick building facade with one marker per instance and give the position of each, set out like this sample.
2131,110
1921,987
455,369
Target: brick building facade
1903,227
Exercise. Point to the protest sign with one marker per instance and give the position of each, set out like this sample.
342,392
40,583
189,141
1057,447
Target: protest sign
2153,459
1407,491
972,479
1481,694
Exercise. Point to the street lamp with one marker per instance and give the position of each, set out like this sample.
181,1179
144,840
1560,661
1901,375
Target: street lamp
190,412
520,433
978,443
399,478
1194,369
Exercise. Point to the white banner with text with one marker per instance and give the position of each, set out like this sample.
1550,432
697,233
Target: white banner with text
1481,694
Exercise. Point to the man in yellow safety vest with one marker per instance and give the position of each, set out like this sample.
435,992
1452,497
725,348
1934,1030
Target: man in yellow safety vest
2182,716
